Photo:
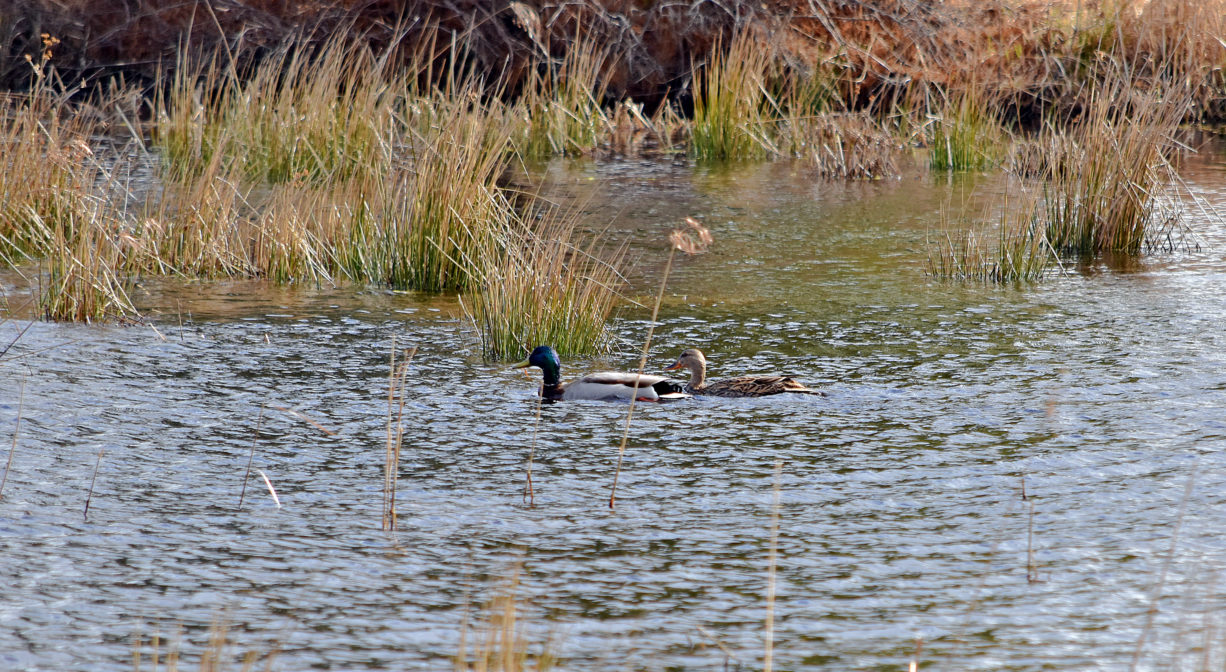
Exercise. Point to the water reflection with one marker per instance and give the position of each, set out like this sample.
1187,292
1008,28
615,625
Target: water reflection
902,513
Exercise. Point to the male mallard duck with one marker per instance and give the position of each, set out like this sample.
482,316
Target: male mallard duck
606,385
741,386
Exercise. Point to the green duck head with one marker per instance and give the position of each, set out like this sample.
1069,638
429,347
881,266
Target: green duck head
545,359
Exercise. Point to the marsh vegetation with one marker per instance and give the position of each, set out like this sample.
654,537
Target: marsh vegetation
346,151
329,159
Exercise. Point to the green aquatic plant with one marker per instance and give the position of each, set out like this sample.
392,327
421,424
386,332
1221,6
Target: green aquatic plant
562,106
730,103
545,285
966,135
1013,249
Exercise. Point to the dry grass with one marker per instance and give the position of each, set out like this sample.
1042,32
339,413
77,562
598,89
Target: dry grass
1106,174
303,115
329,162
216,655
501,642
843,146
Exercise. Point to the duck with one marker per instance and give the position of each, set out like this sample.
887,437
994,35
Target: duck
603,386
741,386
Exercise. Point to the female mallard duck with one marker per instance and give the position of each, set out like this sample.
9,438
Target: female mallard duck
606,385
741,386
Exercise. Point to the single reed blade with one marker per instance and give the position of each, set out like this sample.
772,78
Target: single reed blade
271,490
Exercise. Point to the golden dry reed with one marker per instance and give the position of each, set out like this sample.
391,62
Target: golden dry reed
501,642
325,164
1105,175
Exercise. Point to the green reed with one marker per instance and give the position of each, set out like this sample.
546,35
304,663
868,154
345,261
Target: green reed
563,106
547,285
730,119
966,135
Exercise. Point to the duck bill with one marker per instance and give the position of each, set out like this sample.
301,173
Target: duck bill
521,365
674,366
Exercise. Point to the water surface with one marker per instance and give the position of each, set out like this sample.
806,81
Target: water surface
998,472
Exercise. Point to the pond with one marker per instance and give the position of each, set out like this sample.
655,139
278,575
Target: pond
1008,477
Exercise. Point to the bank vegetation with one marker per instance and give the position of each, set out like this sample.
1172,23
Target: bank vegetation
374,143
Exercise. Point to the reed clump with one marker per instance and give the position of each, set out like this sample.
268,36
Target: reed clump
966,135
304,114
548,285
52,209
730,102
1104,175
47,171
373,181
562,106
83,280
1013,249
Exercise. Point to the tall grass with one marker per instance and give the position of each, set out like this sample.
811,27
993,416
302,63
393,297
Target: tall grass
47,172
83,282
730,103
562,106
966,135
51,208
1104,177
304,114
547,285
847,145
321,167
1012,250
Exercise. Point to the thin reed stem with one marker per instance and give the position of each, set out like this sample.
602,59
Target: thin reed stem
21,399
251,457
1166,566
397,377
769,655
915,657
529,492
1032,572
92,481
271,490
651,328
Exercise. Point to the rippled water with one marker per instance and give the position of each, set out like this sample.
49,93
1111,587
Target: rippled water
997,472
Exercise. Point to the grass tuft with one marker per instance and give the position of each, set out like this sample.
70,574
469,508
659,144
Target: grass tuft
730,102
966,135
1105,176
562,107
546,286
1013,250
